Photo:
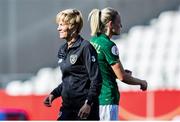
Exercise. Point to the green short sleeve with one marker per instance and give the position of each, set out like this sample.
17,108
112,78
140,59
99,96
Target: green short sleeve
111,53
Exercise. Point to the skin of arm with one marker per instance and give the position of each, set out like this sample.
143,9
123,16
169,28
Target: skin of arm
127,78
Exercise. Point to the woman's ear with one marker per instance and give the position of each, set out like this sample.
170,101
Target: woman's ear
110,24
74,31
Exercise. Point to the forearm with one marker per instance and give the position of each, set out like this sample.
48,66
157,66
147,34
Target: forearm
128,79
96,82
124,76
57,91
93,71
94,91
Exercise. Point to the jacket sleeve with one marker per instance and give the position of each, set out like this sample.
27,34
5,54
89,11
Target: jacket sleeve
57,91
92,67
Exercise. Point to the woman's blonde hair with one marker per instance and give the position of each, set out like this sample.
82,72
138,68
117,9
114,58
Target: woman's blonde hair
99,19
72,17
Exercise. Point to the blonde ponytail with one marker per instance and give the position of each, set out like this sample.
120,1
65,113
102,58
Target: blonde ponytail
94,18
99,19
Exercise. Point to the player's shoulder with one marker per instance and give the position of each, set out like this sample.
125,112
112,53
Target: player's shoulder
108,44
86,43
105,40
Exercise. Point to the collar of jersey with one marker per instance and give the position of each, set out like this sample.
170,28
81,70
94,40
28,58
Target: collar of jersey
103,35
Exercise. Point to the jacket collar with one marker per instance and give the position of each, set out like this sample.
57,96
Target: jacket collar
77,43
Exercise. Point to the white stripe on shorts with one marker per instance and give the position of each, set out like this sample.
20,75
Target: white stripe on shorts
108,112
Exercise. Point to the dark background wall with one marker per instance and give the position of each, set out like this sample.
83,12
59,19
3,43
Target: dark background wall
28,35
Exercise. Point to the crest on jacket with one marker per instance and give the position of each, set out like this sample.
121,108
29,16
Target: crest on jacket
73,59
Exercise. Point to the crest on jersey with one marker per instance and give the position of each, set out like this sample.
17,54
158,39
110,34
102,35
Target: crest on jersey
114,50
73,59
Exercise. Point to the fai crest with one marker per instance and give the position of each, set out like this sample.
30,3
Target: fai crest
73,59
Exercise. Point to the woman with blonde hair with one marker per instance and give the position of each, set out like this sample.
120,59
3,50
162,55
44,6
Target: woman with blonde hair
104,24
81,78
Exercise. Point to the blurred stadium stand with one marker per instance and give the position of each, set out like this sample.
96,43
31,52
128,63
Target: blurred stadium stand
152,52
29,41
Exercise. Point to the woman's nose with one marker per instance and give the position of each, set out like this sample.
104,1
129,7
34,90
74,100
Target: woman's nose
58,28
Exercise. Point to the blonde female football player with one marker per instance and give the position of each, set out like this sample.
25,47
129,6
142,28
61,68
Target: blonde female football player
104,24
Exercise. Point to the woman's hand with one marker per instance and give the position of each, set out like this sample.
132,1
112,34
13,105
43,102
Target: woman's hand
48,100
84,111
128,71
143,85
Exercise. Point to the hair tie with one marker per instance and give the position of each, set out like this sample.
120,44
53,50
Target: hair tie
100,23
100,14
76,12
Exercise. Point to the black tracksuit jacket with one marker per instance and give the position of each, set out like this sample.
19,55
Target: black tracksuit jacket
81,78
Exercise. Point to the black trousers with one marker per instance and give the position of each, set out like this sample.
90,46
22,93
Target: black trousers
72,114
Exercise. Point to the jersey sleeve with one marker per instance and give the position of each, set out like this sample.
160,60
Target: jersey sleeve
91,63
57,91
111,53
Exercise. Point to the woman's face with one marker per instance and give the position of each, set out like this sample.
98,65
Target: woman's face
117,26
63,29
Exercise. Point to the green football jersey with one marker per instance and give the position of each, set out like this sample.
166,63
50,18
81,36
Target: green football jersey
107,56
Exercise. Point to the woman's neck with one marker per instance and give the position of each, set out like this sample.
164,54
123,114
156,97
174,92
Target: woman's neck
109,34
71,41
